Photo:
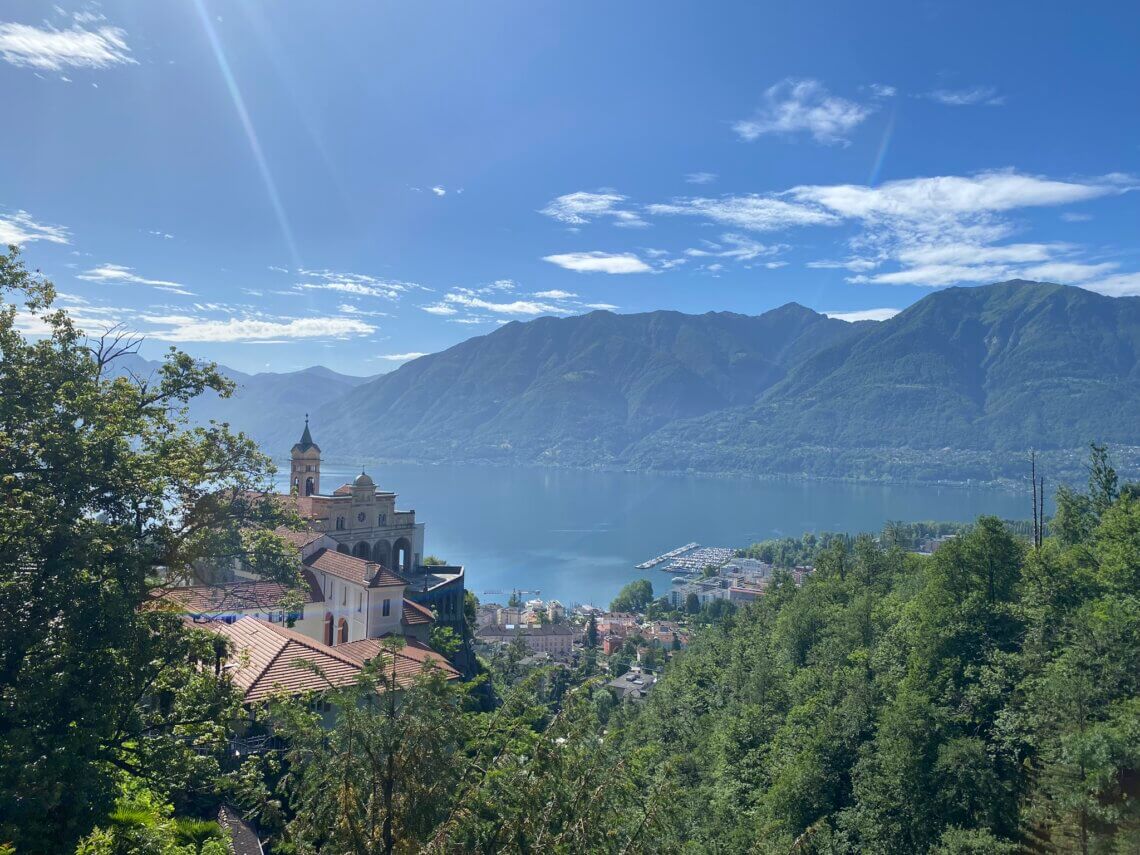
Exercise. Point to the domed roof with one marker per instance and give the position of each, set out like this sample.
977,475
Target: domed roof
362,480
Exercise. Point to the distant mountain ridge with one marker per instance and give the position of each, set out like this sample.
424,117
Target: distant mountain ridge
957,387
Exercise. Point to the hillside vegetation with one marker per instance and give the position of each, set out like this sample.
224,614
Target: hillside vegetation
957,387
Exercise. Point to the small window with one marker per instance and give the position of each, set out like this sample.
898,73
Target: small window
387,608
360,601
344,595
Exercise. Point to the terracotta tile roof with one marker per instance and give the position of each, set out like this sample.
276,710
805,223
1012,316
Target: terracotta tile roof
299,539
353,569
410,659
343,490
266,657
414,614
239,596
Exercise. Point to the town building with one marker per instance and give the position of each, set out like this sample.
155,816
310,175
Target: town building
634,685
556,639
265,659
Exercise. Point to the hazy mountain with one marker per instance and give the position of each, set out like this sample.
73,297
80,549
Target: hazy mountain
956,387
576,390
268,406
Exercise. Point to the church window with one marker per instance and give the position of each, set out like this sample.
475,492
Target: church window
387,608
382,520
359,601
342,631
344,595
340,523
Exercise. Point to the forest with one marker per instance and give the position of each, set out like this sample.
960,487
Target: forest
983,699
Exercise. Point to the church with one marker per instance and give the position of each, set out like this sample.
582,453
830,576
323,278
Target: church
364,522
364,580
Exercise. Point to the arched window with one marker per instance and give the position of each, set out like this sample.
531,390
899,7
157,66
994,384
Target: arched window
342,631
328,629
342,548
340,523
308,486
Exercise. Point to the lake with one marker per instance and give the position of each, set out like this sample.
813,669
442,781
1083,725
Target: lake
576,535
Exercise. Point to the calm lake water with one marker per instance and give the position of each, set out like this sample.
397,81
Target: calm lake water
576,536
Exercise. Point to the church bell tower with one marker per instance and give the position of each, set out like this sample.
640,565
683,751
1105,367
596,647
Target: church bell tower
305,465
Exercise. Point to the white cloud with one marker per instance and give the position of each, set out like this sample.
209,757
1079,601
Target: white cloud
599,262
882,90
466,299
853,264
948,195
753,212
400,357
583,207
792,106
1120,285
555,295
440,309
937,275
1075,217
49,49
987,95
254,330
118,273
734,246
701,177
19,228
438,191
1067,272
603,307
864,315
357,284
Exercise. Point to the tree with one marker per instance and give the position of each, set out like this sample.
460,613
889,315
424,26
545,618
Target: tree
692,603
592,631
434,561
106,495
634,597
380,779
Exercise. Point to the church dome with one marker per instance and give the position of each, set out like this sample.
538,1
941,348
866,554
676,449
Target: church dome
362,480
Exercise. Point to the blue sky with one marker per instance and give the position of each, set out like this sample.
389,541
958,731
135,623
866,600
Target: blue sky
276,185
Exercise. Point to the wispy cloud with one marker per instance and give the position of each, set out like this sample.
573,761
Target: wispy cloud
438,191
797,106
121,274
986,95
50,49
462,298
255,330
754,212
701,177
555,295
400,357
19,228
357,284
599,262
583,207
734,246
864,315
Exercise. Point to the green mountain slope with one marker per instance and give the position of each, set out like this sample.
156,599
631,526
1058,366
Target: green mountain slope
576,390
982,373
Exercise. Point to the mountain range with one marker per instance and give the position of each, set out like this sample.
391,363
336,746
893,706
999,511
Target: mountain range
957,387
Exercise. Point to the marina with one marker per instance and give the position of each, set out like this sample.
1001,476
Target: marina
673,553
